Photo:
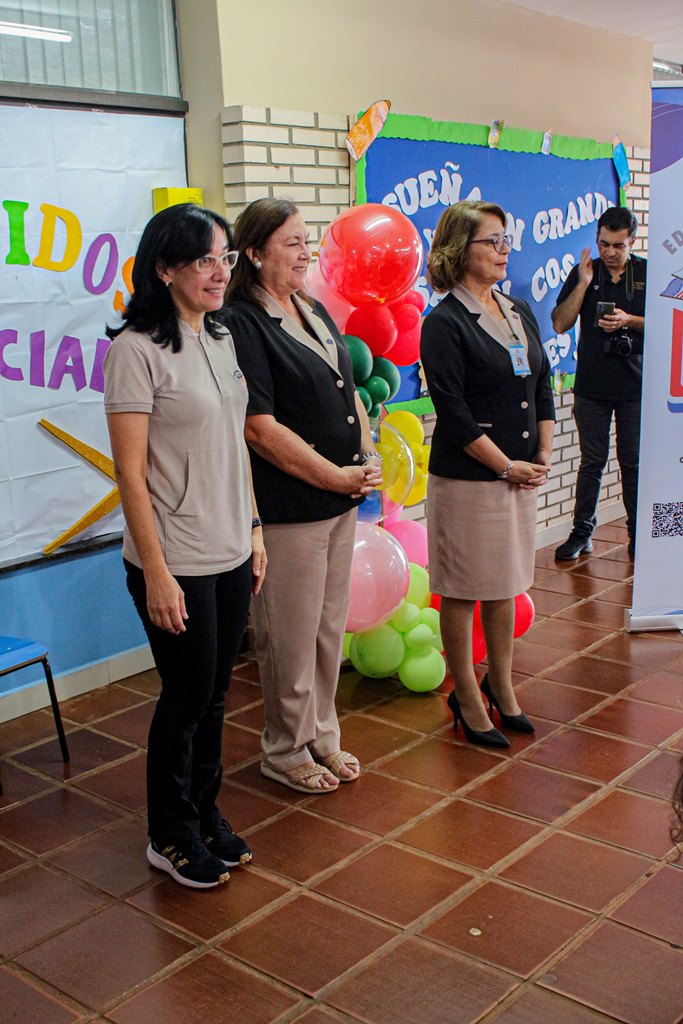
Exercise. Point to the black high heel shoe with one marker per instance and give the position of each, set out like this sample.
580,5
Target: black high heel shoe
490,738
519,723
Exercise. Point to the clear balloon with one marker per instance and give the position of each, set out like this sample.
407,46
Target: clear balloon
371,254
370,510
379,578
398,463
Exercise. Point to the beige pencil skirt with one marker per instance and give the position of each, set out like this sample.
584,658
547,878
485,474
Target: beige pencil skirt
481,538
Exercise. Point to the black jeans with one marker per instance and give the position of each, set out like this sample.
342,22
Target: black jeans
184,753
593,421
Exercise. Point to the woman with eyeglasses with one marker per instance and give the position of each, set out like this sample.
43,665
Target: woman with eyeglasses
193,550
313,462
489,379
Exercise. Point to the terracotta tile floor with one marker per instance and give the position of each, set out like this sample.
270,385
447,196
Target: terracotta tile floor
450,884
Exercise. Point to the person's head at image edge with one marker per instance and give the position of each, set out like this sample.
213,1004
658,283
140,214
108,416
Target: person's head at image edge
272,238
616,235
466,245
181,270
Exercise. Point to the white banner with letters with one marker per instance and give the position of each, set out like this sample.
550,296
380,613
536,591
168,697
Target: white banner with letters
658,578
75,192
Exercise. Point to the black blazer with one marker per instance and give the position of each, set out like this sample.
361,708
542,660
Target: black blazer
290,377
475,392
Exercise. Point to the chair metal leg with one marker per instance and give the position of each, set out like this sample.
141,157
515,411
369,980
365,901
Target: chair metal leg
55,709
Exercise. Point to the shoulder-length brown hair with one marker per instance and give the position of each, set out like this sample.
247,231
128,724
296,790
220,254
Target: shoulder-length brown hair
448,255
253,228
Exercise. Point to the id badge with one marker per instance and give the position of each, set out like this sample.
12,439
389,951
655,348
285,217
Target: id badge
519,360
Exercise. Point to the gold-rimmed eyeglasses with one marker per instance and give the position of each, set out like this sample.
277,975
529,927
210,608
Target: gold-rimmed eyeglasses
499,243
207,264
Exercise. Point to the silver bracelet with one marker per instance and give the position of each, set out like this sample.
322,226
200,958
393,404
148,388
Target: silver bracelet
366,456
506,472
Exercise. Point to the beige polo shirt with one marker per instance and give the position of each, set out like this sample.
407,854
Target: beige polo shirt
197,470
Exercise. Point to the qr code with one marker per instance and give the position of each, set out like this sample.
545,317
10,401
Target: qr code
667,519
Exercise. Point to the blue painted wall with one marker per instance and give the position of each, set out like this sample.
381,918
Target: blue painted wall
79,608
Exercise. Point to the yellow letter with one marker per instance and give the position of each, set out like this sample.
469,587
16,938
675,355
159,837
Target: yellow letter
74,238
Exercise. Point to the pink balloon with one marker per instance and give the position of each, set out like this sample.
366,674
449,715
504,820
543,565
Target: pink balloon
413,539
524,614
316,286
379,578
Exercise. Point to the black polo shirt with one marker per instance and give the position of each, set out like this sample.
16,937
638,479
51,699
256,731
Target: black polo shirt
289,380
600,375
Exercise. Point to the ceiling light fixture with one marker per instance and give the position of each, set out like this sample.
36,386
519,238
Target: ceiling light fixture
667,65
15,28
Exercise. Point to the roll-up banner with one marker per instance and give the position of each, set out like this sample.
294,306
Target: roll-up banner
658,576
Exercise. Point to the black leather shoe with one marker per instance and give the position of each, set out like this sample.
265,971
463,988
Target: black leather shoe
573,547
490,738
519,723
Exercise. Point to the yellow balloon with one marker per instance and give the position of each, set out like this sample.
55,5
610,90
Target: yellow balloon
408,424
418,491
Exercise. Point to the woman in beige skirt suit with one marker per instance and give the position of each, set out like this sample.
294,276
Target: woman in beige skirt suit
489,379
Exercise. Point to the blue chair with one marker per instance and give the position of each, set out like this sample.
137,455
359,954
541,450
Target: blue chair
16,653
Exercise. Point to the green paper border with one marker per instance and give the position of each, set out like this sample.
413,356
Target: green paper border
512,140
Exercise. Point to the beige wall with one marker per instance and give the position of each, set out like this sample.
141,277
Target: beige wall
455,60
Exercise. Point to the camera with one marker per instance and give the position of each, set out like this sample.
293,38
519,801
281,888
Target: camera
619,345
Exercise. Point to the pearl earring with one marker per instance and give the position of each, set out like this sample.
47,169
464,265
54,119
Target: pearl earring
258,264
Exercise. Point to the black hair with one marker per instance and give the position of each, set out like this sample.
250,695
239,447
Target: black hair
174,237
618,218
253,228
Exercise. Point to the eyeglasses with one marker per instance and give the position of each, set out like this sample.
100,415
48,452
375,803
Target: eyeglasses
208,264
499,243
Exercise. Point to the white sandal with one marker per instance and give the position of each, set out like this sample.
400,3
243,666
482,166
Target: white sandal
342,759
305,778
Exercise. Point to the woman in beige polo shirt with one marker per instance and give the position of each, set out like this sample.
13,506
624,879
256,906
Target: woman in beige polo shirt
176,401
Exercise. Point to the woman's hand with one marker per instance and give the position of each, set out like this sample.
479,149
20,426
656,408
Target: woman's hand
527,475
259,559
356,481
165,601
543,457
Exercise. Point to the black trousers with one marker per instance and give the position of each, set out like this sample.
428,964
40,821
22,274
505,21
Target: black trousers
184,753
593,421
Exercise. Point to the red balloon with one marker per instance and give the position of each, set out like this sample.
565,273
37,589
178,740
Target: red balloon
435,602
478,641
375,325
416,299
406,349
406,315
524,614
371,254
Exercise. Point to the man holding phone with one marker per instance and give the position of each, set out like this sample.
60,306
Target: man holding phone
607,295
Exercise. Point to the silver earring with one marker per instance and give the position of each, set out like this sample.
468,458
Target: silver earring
258,264
168,283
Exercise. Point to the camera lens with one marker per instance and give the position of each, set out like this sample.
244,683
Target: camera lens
623,345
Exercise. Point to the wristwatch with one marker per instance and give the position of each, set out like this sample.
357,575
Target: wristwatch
506,472
256,521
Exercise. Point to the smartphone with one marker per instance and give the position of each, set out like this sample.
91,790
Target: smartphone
603,309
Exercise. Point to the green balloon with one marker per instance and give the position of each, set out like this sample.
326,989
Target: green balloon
418,587
375,412
364,397
419,637
422,671
382,367
405,617
430,617
377,652
361,357
378,389
346,644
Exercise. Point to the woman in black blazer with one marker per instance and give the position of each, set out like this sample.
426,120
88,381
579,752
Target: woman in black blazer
489,379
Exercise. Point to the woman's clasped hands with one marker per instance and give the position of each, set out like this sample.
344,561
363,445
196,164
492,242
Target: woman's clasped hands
527,475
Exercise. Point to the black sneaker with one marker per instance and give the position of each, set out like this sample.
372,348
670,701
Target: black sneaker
189,862
228,847
573,547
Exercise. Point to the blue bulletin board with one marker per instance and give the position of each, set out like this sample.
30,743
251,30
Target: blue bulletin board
552,204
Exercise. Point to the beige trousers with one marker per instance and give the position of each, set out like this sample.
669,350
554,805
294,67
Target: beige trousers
299,620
